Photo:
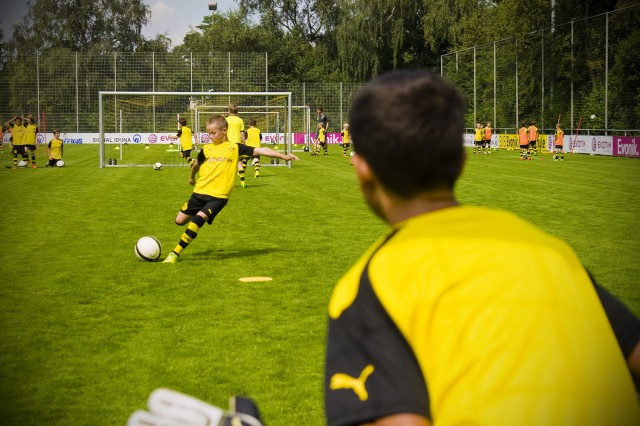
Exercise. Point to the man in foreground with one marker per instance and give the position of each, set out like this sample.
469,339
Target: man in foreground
446,322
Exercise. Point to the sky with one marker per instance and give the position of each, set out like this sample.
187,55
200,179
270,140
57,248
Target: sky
174,18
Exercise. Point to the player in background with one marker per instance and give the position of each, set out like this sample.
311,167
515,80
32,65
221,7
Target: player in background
55,149
254,137
477,138
31,132
18,139
215,167
532,131
558,144
321,141
523,141
487,138
321,117
427,327
346,141
3,131
236,134
186,140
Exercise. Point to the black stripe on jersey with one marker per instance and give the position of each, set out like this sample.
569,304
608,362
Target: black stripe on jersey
363,335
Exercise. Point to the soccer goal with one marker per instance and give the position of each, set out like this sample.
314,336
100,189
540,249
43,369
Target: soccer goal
138,129
270,120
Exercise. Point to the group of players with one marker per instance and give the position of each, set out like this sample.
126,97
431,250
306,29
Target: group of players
21,134
527,138
320,140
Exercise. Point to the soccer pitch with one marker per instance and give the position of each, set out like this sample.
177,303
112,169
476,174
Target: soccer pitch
88,330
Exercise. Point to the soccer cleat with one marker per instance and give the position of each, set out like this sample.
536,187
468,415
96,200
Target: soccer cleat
243,185
257,174
171,258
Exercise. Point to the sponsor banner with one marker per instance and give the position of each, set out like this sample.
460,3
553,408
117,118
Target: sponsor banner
620,146
588,144
626,146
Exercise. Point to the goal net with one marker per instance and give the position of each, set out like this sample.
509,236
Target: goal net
138,129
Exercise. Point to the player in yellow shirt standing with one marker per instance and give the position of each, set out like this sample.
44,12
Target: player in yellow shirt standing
215,167
346,139
477,138
236,134
185,135
254,137
31,132
18,139
430,326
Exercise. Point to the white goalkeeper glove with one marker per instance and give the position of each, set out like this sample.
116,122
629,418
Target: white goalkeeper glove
171,408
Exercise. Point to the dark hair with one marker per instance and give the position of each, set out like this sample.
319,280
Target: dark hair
408,126
182,121
233,108
252,122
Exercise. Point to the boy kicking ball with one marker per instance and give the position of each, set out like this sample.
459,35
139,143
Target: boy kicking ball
216,167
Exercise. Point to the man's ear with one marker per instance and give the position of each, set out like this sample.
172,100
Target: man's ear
363,171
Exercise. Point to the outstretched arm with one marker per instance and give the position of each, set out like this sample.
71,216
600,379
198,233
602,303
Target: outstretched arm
268,152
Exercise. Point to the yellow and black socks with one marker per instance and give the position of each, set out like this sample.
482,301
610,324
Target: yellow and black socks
256,166
189,234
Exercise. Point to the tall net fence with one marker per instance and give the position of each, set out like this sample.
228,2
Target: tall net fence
63,87
580,73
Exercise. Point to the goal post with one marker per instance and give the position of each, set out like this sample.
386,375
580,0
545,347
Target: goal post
134,127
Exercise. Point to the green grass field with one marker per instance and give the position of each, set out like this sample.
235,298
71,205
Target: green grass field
88,330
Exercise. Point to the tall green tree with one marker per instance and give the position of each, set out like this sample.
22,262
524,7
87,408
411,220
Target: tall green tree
81,25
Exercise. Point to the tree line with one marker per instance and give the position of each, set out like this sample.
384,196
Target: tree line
355,40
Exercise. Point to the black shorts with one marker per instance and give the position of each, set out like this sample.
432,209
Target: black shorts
207,204
533,144
524,146
19,149
30,147
186,153
559,147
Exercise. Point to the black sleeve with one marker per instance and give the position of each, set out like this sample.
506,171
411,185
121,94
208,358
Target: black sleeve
245,149
626,326
179,133
201,157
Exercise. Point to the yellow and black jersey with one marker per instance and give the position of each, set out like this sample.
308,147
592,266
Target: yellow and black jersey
254,137
19,134
345,137
55,148
478,134
559,139
322,135
449,320
186,138
235,128
218,167
30,134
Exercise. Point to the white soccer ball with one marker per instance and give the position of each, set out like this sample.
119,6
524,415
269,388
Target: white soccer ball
22,163
593,116
352,153
157,166
148,248
60,163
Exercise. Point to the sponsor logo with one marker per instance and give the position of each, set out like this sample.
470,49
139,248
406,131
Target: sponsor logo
152,138
356,384
593,145
137,138
75,141
40,138
627,149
